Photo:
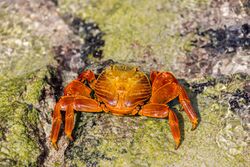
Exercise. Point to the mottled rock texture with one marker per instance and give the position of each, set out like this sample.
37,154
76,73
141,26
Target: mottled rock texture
45,44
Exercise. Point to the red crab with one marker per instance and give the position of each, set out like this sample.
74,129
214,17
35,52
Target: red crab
122,90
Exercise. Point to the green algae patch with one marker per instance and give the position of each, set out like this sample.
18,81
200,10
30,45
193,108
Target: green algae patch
139,32
24,57
19,121
19,146
150,145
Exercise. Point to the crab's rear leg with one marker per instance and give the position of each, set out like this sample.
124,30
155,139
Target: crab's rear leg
162,111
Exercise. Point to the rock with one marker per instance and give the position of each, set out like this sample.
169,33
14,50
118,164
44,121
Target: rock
46,44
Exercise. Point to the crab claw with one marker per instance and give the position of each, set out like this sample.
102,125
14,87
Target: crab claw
86,75
165,88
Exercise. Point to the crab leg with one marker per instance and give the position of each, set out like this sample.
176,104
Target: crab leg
165,88
80,104
76,87
162,111
62,104
57,120
85,104
69,121
69,104
186,104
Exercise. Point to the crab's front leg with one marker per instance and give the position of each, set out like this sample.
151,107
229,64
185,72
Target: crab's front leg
163,111
69,104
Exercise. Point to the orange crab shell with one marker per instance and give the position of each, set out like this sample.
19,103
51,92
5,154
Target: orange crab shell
122,89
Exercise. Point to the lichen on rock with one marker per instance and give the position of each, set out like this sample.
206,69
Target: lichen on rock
20,139
24,57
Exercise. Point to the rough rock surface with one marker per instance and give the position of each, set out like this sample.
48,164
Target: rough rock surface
45,44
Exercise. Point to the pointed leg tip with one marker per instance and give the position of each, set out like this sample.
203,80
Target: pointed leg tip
177,144
70,138
68,134
55,146
194,125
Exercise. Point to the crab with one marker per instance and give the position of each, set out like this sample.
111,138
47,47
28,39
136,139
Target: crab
122,90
